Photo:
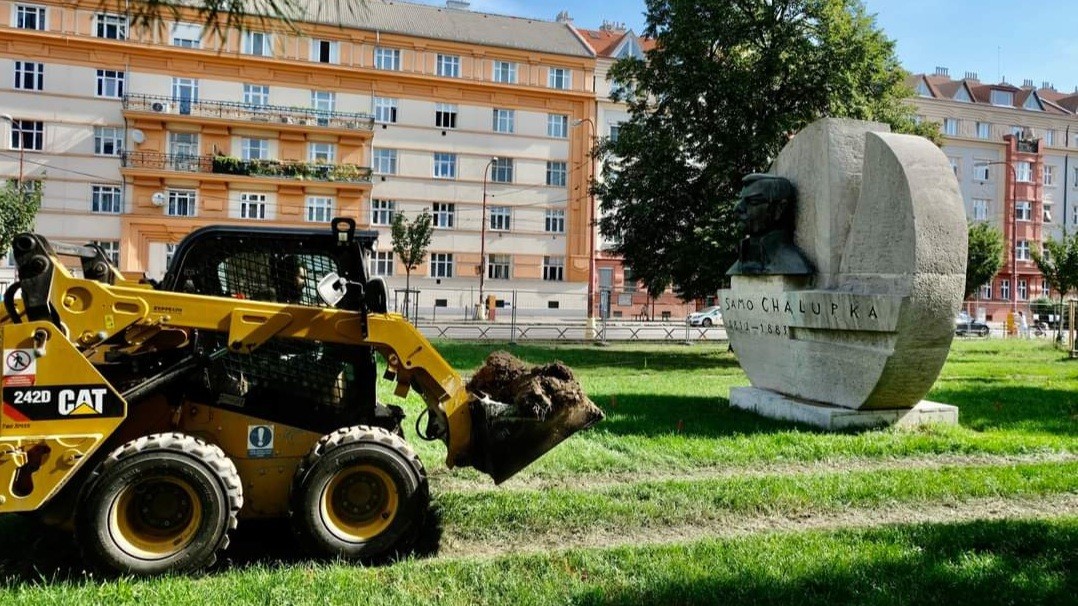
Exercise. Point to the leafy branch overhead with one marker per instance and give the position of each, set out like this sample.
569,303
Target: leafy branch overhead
17,210
728,83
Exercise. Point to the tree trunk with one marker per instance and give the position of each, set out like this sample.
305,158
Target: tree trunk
408,294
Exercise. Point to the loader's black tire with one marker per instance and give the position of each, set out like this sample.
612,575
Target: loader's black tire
161,503
361,493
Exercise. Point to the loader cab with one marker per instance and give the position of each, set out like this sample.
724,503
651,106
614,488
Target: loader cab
289,381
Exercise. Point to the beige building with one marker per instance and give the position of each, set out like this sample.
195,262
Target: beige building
1010,147
142,136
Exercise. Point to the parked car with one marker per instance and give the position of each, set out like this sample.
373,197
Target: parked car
709,316
965,325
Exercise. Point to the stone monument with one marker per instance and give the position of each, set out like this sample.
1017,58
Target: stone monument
842,303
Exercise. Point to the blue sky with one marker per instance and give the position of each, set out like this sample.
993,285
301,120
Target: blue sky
1036,40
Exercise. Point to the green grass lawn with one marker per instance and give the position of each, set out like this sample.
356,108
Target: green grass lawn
635,510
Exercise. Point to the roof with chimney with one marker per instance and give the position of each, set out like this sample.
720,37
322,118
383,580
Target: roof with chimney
969,89
614,40
456,24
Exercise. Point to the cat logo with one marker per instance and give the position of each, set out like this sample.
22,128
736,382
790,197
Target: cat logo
83,401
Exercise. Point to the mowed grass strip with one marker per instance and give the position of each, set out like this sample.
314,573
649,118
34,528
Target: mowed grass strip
667,410
1029,561
516,515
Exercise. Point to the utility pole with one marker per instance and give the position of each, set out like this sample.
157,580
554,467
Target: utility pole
483,240
22,151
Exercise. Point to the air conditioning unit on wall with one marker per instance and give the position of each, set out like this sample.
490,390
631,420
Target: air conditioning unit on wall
160,107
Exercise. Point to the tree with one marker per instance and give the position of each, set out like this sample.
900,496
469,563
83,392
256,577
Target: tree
1059,266
726,86
17,210
410,242
220,16
984,257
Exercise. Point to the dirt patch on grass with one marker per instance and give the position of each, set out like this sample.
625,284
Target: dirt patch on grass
736,526
443,480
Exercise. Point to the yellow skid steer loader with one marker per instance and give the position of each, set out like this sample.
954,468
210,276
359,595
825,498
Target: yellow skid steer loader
151,417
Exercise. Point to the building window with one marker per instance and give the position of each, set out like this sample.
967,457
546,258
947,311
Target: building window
252,206
1023,289
29,17
505,72
111,248
108,140
28,135
185,92
1023,210
1046,290
560,78
984,130
955,164
110,83
382,212
184,149
445,115
382,263
557,125
1021,250
1002,98
255,95
986,291
448,66
1025,172
1049,175
628,280
441,265
170,252
615,130
318,209
259,44
29,75
187,35
445,166
384,161
387,58
498,267
385,110
1047,212
323,100
325,51
254,149
981,170
1074,215
1005,290
444,214
980,209
502,170
499,218
322,152
113,27
554,269
1049,137
181,203
950,127
1018,131
106,199
555,221
556,174
503,120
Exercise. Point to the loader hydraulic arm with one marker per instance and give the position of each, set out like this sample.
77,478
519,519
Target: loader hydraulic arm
93,312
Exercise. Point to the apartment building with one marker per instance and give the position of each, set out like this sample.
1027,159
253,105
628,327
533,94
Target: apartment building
1011,150
142,135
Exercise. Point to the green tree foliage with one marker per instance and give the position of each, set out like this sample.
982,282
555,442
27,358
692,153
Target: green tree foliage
1060,265
729,82
410,242
17,210
984,257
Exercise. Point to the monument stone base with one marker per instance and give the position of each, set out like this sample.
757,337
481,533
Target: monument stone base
777,406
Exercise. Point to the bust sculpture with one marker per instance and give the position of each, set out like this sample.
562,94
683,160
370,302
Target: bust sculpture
766,214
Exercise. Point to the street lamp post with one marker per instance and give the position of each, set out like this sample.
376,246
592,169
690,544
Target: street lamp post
590,219
1014,229
22,151
483,238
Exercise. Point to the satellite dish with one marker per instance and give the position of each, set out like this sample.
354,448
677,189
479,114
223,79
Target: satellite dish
158,198
138,136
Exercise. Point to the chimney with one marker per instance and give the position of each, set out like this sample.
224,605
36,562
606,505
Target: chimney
942,71
1027,83
1048,85
460,5
972,76
564,18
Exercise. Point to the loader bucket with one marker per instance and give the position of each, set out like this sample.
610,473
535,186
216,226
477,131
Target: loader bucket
520,413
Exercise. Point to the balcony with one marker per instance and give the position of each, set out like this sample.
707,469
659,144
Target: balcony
243,112
227,165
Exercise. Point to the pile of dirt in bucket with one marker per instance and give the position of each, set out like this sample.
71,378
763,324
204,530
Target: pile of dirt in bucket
520,412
